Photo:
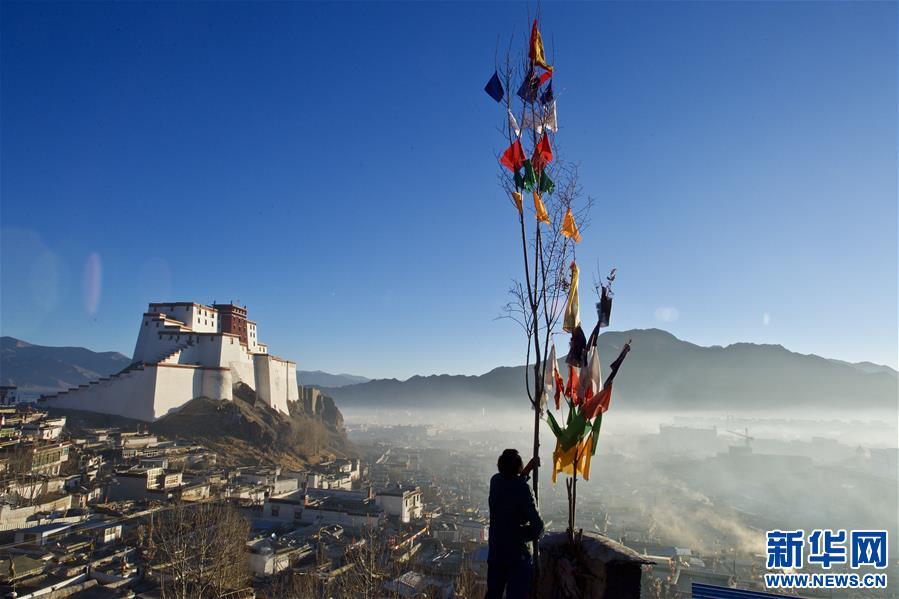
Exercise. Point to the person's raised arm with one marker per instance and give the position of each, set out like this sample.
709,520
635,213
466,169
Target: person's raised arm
535,462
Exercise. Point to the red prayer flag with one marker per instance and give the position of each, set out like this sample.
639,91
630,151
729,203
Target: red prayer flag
543,154
574,384
598,404
513,158
560,384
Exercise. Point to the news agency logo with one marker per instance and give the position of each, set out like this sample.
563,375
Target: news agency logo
827,548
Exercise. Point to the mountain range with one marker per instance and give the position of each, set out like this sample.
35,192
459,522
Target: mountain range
666,373
661,372
319,378
38,369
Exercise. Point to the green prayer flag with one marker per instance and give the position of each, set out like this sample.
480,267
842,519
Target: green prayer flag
576,429
530,177
546,184
519,181
597,424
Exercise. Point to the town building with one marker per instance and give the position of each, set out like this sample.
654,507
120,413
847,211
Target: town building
401,502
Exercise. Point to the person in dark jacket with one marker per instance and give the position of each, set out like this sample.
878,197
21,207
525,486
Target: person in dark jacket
514,523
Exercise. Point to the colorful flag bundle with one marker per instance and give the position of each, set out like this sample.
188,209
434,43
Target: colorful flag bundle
587,398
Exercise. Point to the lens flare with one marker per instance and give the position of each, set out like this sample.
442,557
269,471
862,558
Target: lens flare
92,283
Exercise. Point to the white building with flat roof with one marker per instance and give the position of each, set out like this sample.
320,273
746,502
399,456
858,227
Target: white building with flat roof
186,350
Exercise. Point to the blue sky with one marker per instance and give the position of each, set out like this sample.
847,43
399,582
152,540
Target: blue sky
332,167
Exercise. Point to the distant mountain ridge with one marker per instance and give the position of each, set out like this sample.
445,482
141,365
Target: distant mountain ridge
40,369
662,372
319,378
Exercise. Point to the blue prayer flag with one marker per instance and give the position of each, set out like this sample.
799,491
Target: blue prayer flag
529,87
494,88
547,96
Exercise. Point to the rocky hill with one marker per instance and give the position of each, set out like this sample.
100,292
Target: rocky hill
247,431
244,431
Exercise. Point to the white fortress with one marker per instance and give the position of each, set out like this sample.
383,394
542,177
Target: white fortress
186,350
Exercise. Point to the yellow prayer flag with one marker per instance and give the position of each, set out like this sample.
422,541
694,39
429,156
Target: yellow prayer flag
581,453
569,227
516,197
573,307
542,215
535,52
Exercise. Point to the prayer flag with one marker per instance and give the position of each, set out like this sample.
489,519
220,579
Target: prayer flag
569,227
532,120
549,369
577,348
513,158
542,215
513,124
547,96
535,52
529,181
604,307
543,154
573,385
591,377
516,197
574,429
572,308
575,459
546,121
550,122
530,87
494,88
617,363
546,184
597,425
557,378
599,403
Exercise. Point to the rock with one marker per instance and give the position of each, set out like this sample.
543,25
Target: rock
596,567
